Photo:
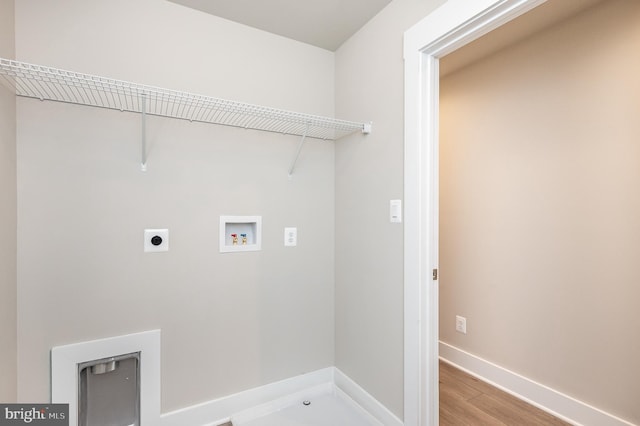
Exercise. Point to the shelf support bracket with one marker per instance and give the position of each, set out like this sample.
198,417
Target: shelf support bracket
143,110
300,145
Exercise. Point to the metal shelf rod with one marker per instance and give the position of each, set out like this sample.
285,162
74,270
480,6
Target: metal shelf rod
295,159
143,111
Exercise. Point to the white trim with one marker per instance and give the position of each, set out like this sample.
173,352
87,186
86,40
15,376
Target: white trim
365,400
550,400
454,24
64,370
354,405
253,403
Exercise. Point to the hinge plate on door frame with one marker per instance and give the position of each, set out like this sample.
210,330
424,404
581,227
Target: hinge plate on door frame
435,274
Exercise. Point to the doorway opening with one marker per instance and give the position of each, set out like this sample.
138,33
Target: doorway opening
453,25
449,28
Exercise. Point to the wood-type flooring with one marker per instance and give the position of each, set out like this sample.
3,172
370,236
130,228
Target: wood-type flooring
468,401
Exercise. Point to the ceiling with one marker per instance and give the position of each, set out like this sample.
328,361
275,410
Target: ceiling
329,23
540,18
323,23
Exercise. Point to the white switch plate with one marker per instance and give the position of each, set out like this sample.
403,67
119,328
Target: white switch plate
395,211
290,237
156,240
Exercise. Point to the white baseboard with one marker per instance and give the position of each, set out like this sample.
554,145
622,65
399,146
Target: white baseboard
563,406
263,400
365,400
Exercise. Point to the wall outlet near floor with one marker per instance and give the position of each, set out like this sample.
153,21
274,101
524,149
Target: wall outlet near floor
461,324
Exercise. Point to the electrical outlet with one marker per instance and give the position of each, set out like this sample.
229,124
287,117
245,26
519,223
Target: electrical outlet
461,324
156,240
290,237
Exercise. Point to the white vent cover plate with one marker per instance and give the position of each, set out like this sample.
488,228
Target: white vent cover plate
64,370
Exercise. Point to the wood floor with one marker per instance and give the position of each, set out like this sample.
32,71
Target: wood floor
465,400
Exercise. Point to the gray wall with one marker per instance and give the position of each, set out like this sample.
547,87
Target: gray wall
369,173
229,322
8,221
540,207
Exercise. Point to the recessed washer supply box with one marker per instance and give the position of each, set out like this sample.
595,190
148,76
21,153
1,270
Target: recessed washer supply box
240,233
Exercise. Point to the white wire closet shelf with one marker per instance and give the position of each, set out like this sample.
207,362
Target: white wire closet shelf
46,83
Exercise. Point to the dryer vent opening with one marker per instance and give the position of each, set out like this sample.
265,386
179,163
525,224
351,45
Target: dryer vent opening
109,391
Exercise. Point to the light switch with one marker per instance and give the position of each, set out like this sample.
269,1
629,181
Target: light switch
290,237
395,211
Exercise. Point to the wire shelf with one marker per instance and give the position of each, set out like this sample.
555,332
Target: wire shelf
46,83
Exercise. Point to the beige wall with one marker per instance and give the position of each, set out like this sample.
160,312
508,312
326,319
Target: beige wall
8,201
540,207
369,173
229,322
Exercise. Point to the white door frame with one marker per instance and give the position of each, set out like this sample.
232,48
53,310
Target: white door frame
448,28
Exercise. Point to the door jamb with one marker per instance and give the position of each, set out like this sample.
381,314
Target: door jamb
454,24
